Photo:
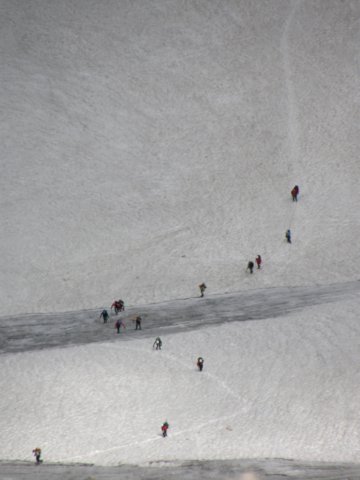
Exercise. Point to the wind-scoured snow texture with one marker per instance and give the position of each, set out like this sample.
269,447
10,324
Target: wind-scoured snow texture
283,387
149,146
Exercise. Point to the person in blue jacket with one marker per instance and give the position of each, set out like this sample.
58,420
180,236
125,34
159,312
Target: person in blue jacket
288,236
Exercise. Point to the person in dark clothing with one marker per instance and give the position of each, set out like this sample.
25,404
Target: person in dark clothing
157,343
118,325
138,323
250,266
202,287
164,429
104,315
200,363
258,261
288,236
295,193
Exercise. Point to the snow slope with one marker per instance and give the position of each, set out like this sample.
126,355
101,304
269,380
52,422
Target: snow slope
149,146
281,387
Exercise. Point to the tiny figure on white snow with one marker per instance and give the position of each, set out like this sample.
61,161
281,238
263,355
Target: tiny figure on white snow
202,287
200,363
295,193
119,324
157,343
104,315
37,455
250,266
258,261
118,306
164,428
138,323
288,236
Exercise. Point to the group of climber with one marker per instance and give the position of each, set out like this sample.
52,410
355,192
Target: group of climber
119,306
294,195
119,323
258,261
200,363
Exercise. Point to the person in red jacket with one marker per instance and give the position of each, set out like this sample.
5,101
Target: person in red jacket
164,429
258,261
295,193
118,306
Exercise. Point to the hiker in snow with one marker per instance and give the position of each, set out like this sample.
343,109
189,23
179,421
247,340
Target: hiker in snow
295,193
115,306
118,325
157,343
164,429
250,266
288,236
258,261
138,323
104,315
37,454
200,363
202,287
118,306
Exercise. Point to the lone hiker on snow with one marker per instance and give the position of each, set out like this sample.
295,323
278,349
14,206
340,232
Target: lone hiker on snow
104,315
157,343
200,363
250,266
295,193
138,323
119,324
202,287
258,261
288,236
164,429
37,455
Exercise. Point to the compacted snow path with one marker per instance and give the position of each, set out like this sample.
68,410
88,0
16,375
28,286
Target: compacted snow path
276,469
34,332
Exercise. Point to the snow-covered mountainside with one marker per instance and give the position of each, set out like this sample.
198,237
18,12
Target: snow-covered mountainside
146,147
149,146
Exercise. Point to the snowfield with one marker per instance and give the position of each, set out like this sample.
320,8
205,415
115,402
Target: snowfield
148,147
268,390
